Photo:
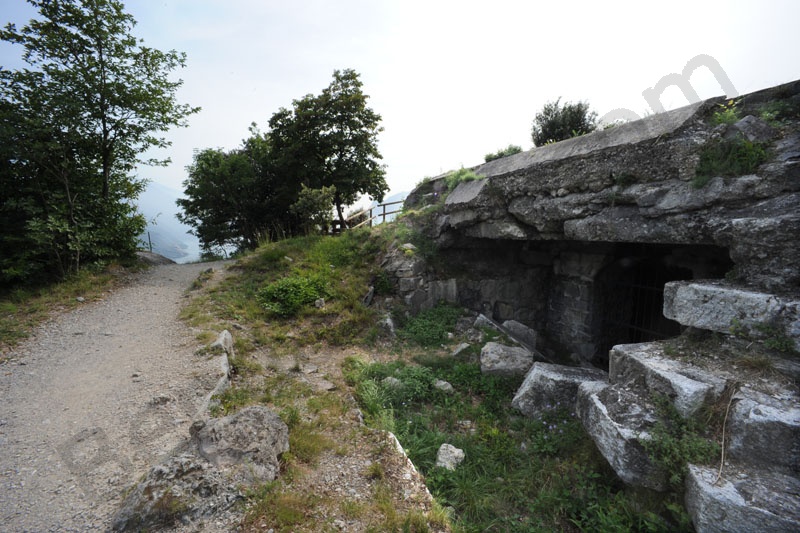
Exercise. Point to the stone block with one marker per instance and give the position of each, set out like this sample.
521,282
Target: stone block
579,265
445,290
719,307
223,343
616,420
742,501
765,430
642,367
497,229
500,360
466,193
408,284
249,440
548,386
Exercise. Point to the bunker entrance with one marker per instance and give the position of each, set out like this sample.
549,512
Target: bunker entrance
629,292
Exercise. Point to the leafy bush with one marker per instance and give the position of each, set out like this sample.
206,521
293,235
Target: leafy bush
430,327
288,295
728,157
556,122
511,149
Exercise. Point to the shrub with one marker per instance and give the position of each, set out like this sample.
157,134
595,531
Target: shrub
556,122
511,149
287,296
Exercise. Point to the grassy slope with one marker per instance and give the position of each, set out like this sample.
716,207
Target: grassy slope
519,475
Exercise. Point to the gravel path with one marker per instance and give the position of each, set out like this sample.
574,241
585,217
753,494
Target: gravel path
91,401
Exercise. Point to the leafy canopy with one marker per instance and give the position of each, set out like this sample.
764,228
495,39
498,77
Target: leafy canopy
330,140
232,198
319,155
556,122
73,125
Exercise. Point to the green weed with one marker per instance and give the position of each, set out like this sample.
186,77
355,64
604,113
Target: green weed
728,157
511,149
676,441
430,327
463,174
727,113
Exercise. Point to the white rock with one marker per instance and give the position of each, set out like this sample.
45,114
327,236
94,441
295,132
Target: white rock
449,456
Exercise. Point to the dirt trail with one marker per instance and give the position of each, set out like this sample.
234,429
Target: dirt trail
93,399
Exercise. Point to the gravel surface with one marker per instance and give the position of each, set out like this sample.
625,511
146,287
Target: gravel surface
96,397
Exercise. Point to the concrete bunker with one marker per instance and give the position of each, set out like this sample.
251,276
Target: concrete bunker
582,297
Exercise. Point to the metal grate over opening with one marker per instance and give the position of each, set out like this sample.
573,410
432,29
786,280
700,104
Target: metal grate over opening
634,301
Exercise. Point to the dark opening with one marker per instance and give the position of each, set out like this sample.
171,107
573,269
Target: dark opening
629,292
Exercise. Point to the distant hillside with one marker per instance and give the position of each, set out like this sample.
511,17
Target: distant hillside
168,236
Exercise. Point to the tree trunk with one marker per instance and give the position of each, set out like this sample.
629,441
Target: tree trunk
342,221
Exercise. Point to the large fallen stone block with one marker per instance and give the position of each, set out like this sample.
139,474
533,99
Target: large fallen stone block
248,441
547,386
744,502
642,367
616,420
718,307
765,431
501,360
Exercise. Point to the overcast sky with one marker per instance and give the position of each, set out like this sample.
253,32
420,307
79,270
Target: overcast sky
452,80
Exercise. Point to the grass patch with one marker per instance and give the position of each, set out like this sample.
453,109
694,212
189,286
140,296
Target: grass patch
430,327
277,509
463,174
728,157
519,474
273,288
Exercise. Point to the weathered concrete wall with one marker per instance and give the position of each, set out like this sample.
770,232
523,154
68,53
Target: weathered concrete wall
633,183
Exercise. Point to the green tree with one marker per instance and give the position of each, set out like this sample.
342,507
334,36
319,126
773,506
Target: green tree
92,100
330,140
232,199
556,122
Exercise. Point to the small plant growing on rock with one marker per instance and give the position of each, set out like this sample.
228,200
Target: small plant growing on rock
511,149
728,157
457,176
676,441
727,113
